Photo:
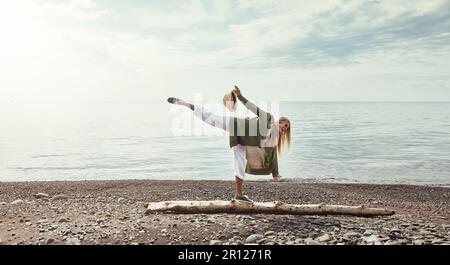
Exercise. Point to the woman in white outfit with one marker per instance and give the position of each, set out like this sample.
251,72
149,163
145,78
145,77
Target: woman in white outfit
262,131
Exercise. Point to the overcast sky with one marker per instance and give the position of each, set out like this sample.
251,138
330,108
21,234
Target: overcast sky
130,50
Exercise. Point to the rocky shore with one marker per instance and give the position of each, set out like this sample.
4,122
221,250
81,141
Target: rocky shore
112,212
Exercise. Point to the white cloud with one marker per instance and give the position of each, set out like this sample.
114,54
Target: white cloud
83,4
342,49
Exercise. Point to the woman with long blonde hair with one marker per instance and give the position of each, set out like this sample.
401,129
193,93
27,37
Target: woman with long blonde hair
285,137
262,132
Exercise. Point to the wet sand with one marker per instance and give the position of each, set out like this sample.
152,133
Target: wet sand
112,212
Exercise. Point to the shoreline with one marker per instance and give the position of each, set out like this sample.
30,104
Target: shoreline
300,181
112,212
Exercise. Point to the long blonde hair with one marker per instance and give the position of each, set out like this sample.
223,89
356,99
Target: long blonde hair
284,138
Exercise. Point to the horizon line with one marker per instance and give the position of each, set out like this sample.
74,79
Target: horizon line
161,101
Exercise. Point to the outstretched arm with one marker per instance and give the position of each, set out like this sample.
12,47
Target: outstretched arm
250,105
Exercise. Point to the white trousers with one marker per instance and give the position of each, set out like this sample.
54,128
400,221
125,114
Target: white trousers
223,122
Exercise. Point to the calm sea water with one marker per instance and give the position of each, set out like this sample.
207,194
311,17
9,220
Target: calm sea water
338,142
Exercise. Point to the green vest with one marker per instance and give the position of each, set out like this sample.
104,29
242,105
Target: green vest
261,161
250,131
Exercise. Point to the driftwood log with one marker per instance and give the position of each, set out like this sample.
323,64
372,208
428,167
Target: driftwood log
234,207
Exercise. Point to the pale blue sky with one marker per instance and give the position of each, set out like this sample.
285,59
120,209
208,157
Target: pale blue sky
281,50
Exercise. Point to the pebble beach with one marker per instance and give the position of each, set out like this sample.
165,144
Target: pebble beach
112,212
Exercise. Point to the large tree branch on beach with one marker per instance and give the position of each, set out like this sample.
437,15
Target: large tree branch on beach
234,207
